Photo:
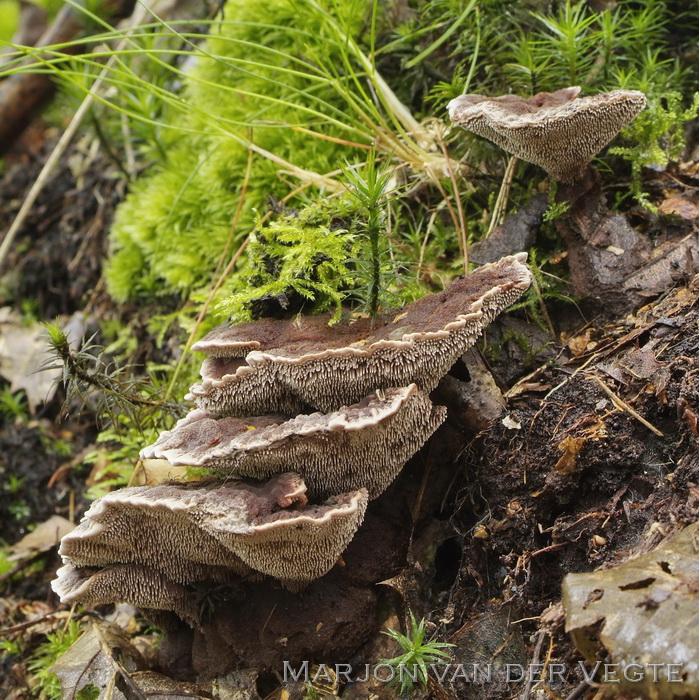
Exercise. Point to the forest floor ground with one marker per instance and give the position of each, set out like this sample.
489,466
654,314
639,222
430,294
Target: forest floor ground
593,460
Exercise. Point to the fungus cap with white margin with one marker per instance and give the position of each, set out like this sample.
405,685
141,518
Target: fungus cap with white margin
217,531
308,363
362,445
559,131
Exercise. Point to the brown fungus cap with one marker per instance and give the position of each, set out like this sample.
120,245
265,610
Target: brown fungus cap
327,367
362,445
191,533
135,584
559,131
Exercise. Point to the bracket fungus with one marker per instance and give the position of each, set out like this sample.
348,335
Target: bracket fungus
366,385
362,445
136,584
310,363
215,531
559,131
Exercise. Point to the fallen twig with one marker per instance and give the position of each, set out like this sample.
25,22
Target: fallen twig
503,194
621,404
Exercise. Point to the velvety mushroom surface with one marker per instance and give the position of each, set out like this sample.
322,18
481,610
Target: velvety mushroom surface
362,445
559,131
307,362
195,532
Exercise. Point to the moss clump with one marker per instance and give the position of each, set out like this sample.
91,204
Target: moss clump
171,231
301,257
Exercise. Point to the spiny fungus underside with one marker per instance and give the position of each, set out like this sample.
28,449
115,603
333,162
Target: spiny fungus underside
370,385
558,131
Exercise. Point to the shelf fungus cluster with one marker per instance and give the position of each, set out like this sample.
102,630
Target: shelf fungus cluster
309,422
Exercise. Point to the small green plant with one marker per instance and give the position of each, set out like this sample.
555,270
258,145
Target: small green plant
30,311
210,597
85,370
13,406
412,664
569,40
369,187
10,648
657,135
555,209
19,510
48,652
14,484
131,409
310,693
55,445
5,564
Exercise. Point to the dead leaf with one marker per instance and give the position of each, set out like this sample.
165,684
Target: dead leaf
680,207
44,537
86,663
645,611
156,471
570,447
581,343
640,362
23,350
155,686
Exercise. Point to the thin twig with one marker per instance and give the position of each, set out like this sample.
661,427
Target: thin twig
119,670
20,565
138,16
463,232
423,484
30,623
620,403
550,548
579,691
534,663
542,307
236,215
423,247
454,216
128,147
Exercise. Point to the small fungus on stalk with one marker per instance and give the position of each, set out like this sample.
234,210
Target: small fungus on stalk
558,131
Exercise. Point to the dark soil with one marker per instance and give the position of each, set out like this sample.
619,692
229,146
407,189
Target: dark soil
56,260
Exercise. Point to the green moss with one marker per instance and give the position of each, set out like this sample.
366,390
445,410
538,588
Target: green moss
656,137
9,16
172,229
306,257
